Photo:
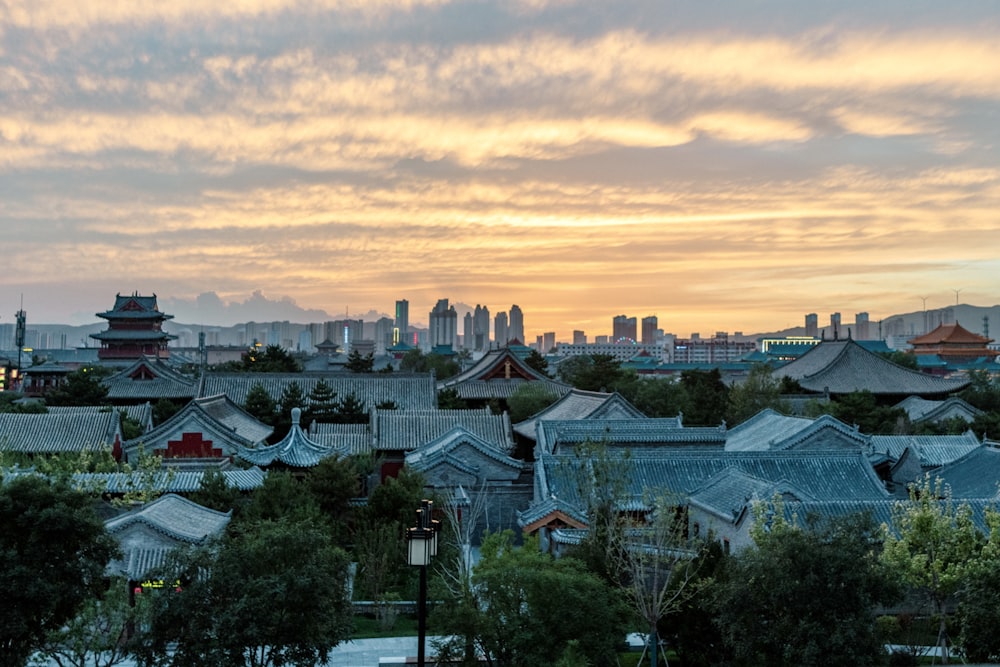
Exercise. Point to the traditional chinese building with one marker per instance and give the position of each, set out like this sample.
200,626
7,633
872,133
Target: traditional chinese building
134,330
952,342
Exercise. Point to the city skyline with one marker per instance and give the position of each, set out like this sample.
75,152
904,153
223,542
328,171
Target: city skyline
724,166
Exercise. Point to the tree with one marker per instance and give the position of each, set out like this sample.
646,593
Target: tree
54,549
805,595
292,397
537,362
272,594
934,542
900,358
529,399
360,364
862,408
273,359
707,397
758,391
282,498
448,399
260,404
351,410
333,483
82,387
216,493
415,361
164,409
657,397
597,372
322,402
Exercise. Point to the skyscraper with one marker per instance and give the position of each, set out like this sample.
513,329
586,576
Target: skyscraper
812,325
402,321
516,330
835,324
623,328
443,324
579,337
500,329
861,327
481,328
649,326
468,332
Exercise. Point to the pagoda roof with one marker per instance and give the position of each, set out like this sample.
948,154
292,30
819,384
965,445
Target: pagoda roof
241,422
498,374
296,449
950,333
132,335
580,404
403,430
149,378
842,367
408,391
134,306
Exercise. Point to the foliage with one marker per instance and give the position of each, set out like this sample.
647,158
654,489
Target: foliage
657,397
936,541
322,403
596,372
82,387
142,479
448,399
415,361
901,358
54,550
216,493
226,612
529,399
282,498
131,429
537,362
272,359
164,409
805,595
292,397
333,483
691,627
360,364
862,409
979,612
12,402
260,405
351,410
760,390
707,397
98,635
397,498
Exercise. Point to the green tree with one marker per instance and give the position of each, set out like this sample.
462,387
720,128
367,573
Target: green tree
82,387
322,402
900,358
12,402
415,361
282,498
216,493
292,397
537,362
707,395
862,408
164,409
227,612
272,359
657,397
805,595
596,372
260,405
351,410
448,399
54,549
529,399
333,483
356,363
934,543
758,391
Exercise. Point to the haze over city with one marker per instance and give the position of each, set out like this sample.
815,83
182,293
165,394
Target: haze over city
722,166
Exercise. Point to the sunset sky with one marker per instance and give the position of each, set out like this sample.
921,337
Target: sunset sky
724,165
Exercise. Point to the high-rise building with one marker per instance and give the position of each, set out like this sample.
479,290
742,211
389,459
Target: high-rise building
401,323
385,331
649,326
500,329
468,332
623,328
443,327
861,326
579,337
548,342
516,331
481,328
812,325
835,324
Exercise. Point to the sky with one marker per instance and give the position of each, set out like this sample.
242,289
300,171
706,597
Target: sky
724,165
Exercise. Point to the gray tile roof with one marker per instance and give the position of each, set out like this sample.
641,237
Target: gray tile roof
403,430
174,516
921,409
443,449
825,432
149,379
974,475
349,438
498,374
296,449
659,432
763,430
408,391
185,481
932,450
579,404
224,410
142,413
844,366
58,432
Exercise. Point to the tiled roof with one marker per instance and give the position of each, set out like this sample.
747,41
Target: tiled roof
498,374
762,430
134,306
223,409
140,563
825,475
920,409
825,432
194,418
932,450
546,507
579,404
442,449
296,449
842,367
950,333
974,475
174,516
58,432
730,493
141,413
349,438
408,391
149,379
403,430
132,334
185,481
551,435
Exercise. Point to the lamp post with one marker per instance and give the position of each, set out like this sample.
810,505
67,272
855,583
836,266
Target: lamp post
422,545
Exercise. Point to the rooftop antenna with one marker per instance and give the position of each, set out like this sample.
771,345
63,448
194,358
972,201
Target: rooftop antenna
956,291
924,299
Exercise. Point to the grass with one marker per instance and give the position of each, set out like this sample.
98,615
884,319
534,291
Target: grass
368,627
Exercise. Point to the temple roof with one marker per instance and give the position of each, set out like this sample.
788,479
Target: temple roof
442,449
217,419
224,410
50,433
409,391
134,307
296,449
950,333
348,438
932,450
149,378
580,404
649,432
176,517
403,430
132,335
974,475
921,409
763,430
141,413
167,481
498,374
842,367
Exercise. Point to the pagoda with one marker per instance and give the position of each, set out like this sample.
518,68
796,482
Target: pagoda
954,343
134,330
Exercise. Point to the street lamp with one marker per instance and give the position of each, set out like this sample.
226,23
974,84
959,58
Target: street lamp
422,544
